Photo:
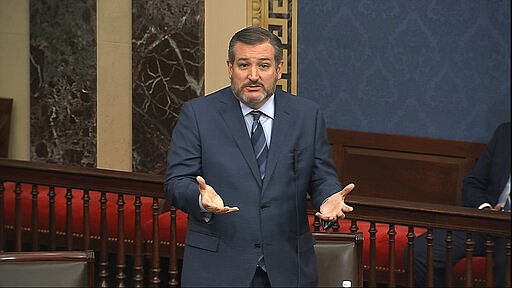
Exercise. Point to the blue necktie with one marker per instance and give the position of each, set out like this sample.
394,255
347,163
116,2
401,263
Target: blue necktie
259,143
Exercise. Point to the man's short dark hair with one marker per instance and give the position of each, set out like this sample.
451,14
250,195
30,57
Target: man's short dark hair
255,35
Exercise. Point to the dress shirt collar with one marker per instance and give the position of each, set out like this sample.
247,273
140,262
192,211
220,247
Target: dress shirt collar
268,108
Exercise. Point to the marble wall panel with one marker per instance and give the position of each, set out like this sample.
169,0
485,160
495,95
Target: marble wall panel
63,81
167,70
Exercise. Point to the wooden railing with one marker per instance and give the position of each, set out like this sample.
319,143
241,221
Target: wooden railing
421,215
147,258
90,181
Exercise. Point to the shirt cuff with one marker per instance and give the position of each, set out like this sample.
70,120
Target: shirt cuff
207,216
201,205
485,205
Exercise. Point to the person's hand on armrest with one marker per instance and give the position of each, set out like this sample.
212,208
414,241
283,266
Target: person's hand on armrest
487,206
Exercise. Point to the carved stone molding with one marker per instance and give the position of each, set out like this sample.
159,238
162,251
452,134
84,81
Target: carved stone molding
255,13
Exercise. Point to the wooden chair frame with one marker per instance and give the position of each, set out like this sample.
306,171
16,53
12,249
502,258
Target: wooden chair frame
53,258
5,125
347,263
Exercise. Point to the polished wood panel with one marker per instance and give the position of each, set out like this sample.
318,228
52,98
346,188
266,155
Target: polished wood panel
5,125
403,167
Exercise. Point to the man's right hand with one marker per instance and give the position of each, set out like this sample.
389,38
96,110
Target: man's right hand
496,208
210,200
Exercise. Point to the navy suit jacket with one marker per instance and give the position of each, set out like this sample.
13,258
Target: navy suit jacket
211,140
488,178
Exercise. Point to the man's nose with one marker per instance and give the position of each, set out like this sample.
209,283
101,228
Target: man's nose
253,74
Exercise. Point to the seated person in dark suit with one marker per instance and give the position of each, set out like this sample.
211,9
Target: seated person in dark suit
486,187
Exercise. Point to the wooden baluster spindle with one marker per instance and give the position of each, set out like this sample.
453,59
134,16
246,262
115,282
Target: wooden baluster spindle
51,220
34,222
120,276
373,254
173,265
138,272
17,219
155,278
103,260
449,260
469,259
69,218
86,220
391,255
410,255
430,257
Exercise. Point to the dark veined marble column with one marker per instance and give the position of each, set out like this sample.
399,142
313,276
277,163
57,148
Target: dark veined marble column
63,81
168,69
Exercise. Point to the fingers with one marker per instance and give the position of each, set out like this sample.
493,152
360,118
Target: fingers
334,207
347,189
343,194
201,182
339,215
231,209
326,217
225,210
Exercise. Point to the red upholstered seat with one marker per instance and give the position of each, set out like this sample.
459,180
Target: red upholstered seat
478,271
77,206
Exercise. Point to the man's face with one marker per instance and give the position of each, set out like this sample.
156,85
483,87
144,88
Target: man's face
254,73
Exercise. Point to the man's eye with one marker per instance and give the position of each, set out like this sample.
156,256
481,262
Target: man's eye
243,65
264,66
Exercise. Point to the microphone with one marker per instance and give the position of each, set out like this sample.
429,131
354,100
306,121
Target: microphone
295,161
295,172
326,225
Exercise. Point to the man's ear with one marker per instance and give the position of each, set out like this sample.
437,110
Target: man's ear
279,69
230,68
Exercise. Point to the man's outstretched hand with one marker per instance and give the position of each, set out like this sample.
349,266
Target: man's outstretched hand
334,207
210,200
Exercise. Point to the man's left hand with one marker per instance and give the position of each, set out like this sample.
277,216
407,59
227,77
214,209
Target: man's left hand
334,207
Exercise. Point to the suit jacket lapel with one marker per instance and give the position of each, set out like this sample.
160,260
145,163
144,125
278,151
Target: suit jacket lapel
280,126
230,112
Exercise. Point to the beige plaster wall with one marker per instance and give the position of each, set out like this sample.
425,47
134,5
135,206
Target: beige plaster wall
114,103
15,72
222,19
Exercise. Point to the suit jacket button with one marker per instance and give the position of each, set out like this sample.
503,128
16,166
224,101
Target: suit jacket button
264,205
257,245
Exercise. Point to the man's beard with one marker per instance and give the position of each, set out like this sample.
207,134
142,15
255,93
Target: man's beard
239,94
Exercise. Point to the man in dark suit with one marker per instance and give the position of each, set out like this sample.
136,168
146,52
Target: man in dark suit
486,187
264,164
